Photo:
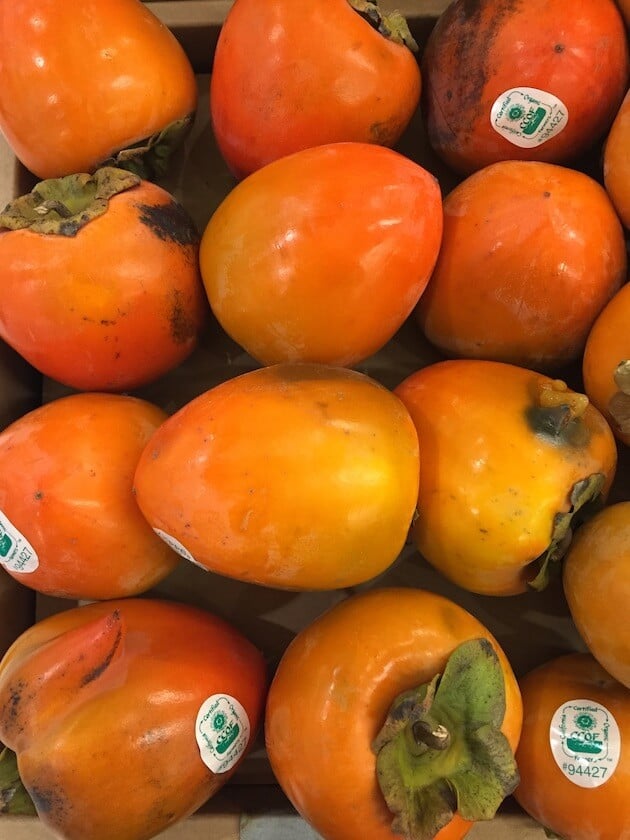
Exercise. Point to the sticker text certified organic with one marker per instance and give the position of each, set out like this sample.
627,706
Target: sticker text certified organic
528,117
222,731
585,742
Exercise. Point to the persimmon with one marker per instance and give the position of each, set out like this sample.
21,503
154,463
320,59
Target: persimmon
572,758
616,162
511,461
292,476
100,280
101,83
322,255
531,253
606,364
288,76
126,715
522,81
596,580
69,523
394,714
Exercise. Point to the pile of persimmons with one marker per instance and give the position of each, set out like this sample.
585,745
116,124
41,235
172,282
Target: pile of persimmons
465,185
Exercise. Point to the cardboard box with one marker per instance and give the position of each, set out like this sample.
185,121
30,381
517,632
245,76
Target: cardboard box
532,628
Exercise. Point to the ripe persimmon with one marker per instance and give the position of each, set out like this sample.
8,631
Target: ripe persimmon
606,364
617,162
596,579
527,81
82,86
69,523
531,253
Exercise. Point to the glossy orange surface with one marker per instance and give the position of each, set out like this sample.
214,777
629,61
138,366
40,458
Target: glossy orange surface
99,76
296,477
616,162
322,255
531,253
492,480
596,577
288,76
577,65
607,346
100,704
548,794
68,469
333,689
114,306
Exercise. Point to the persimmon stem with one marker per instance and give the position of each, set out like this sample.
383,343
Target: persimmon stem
391,25
555,393
433,737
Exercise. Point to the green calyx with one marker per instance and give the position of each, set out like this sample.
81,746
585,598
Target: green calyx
619,404
62,206
441,750
13,796
585,498
150,157
392,25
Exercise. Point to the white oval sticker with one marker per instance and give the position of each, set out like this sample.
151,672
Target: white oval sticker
585,742
16,552
178,547
528,117
222,730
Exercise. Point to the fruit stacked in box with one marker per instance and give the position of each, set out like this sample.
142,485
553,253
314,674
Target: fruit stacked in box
496,460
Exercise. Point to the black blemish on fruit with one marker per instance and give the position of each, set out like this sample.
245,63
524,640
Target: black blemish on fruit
466,24
169,222
70,227
546,194
182,326
49,800
559,48
38,495
96,672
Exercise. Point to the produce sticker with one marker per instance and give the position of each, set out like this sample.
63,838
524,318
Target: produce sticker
585,742
177,547
16,552
222,732
528,117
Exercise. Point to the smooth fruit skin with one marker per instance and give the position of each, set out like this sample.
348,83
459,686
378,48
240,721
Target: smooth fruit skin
545,792
322,255
114,306
478,51
292,476
490,486
332,691
287,77
66,473
616,162
100,705
531,253
608,344
100,77
596,578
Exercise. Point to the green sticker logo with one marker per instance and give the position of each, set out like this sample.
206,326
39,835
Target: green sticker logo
6,544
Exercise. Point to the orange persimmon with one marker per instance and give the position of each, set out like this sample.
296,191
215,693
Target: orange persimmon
380,711
531,253
70,525
606,364
127,715
100,280
82,85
